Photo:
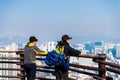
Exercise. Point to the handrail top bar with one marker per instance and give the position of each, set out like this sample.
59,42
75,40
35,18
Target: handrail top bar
81,55
11,51
88,55
93,56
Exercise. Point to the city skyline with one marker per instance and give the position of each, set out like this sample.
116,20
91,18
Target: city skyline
48,20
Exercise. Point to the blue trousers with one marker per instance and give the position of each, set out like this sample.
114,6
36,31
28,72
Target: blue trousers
30,70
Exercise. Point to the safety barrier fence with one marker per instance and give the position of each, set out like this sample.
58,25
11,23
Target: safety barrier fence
11,67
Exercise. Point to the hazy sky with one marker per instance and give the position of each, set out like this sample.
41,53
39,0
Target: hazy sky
83,20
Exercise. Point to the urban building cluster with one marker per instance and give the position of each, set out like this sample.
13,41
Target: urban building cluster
99,47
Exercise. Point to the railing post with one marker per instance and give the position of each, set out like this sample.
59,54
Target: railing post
21,65
102,72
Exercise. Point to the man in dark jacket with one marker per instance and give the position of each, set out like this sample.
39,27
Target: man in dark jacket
60,73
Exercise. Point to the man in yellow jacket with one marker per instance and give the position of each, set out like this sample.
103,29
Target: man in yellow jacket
30,52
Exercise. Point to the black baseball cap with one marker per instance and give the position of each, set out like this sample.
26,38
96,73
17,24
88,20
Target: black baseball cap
65,37
32,38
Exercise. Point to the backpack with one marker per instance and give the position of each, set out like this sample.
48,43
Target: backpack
57,57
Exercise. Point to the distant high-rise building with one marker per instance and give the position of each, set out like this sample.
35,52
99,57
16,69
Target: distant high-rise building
113,51
118,50
98,47
49,46
13,46
88,47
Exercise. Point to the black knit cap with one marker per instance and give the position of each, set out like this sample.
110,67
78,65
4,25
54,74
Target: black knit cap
66,37
32,39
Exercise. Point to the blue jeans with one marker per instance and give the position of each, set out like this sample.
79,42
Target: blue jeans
30,70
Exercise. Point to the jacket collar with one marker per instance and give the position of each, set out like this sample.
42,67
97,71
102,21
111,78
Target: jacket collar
31,44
